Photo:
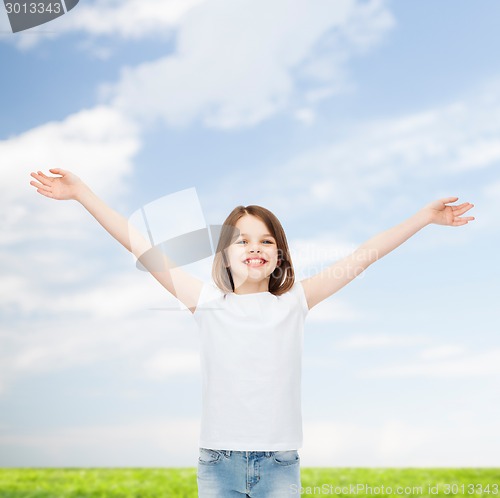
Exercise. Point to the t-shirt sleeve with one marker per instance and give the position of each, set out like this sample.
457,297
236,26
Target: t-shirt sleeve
210,299
298,289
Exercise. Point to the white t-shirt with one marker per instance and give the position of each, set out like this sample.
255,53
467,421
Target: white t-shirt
251,365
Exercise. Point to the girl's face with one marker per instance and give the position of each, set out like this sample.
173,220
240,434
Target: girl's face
253,256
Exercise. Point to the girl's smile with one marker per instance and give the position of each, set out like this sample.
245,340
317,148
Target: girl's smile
255,262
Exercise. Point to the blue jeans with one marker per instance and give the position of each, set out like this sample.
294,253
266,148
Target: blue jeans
250,474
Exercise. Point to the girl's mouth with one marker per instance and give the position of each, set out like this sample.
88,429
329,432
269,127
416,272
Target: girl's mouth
254,262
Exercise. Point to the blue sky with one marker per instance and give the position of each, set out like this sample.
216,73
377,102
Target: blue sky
343,118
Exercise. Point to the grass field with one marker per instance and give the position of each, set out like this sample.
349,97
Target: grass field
166,483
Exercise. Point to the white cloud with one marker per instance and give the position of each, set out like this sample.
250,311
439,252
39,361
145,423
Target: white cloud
172,362
440,352
108,296
128,19
410,156
5,29
305,115
334,310
483,364
311,254
488,206
171,442
239,63
399,444
363,341
96,144
62,340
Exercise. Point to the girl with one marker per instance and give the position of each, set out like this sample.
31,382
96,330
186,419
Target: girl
251,325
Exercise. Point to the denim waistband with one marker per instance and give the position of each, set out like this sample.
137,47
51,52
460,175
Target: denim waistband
228,453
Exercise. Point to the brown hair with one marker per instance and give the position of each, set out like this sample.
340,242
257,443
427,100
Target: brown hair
281,279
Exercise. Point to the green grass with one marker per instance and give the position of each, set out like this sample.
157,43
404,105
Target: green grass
181,483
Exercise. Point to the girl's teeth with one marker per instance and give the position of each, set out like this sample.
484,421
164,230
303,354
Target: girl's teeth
253,261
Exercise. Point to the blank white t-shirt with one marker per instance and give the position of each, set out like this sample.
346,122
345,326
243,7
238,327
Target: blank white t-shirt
251,365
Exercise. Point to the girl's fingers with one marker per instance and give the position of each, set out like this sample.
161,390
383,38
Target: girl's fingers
36,184
462,208
58,171
40,186
463,221
45,193
41,174
42,189
449,199
41,179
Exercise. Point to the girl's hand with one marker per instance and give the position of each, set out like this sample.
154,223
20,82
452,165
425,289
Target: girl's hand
64,187
441,214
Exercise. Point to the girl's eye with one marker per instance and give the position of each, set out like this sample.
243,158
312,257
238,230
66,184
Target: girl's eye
265,242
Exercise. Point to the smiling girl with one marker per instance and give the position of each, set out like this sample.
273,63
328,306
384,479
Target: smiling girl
251,329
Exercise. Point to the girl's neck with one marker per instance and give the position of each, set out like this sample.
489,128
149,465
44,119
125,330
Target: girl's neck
252,287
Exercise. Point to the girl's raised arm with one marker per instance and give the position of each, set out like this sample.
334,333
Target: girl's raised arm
334,277
67,186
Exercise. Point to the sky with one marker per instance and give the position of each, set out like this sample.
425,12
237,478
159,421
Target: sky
344,118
